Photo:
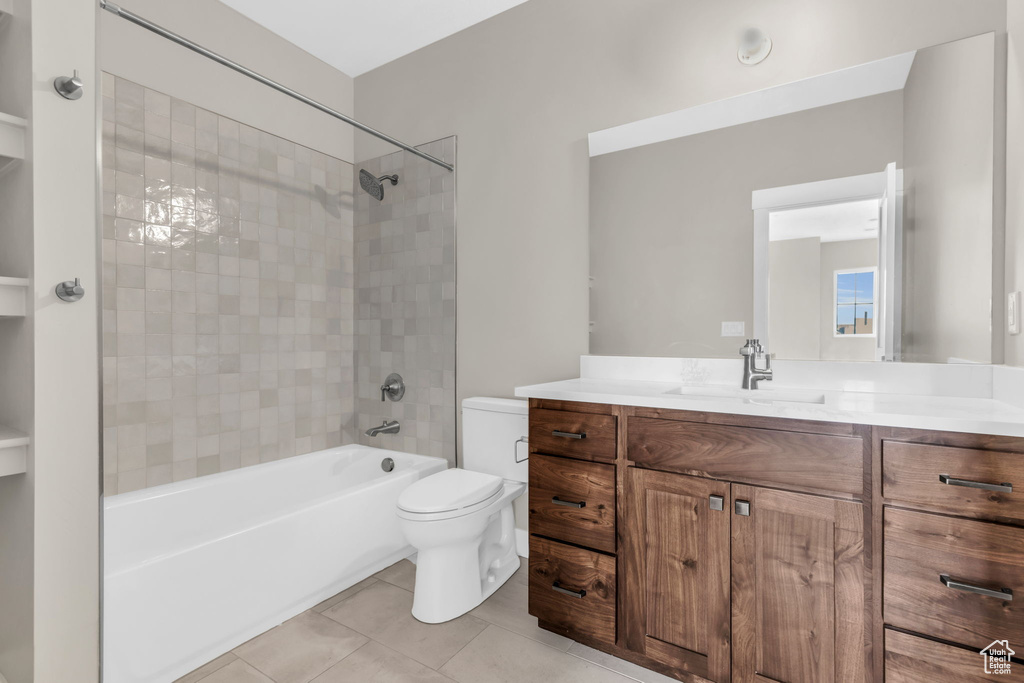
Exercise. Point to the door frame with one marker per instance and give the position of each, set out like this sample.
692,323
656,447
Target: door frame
823,193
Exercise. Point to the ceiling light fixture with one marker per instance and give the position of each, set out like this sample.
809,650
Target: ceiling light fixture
754,47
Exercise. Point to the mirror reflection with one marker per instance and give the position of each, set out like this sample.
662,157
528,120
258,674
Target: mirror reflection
844,217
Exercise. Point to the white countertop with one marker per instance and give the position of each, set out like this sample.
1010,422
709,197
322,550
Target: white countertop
976,415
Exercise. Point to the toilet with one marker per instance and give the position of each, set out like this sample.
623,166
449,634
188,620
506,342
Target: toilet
460,521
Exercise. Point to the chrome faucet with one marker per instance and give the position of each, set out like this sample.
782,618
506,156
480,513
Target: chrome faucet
389,427
752,374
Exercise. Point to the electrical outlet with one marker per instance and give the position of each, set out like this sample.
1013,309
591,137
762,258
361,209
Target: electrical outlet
734,329
1013,313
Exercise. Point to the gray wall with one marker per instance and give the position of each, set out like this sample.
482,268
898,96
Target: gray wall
49,521
671,237
794,298
228,288
143,57
16,362
405,301
1015,168
523,89
948,182
802,276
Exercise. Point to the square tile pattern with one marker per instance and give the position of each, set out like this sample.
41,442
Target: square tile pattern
367,633
230,304
405,301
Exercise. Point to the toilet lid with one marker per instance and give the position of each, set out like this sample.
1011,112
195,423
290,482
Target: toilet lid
452,489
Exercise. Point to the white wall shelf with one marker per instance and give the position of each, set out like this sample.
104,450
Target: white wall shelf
12,134
13,452
13,295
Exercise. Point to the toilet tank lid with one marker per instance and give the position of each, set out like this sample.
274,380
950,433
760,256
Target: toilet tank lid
497,405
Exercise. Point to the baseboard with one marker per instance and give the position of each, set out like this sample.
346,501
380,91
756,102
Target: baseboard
523,542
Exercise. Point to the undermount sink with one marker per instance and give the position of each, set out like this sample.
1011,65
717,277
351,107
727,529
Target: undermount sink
760,395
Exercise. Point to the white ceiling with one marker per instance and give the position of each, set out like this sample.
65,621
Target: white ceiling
831,222
356,36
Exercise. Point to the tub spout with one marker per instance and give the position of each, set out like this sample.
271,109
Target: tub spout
389,427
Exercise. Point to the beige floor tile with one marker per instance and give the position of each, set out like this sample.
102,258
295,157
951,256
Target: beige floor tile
620,665
344,595
508,608
401,574
301,649
500,656
237,672
384,612
374,662
208,668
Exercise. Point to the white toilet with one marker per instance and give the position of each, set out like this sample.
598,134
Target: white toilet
460,520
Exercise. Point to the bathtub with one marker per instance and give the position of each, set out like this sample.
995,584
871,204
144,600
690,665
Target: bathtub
195,568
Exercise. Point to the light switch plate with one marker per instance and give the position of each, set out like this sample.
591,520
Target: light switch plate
1013,313
734,329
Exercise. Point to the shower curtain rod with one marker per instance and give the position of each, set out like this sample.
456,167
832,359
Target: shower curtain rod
209,54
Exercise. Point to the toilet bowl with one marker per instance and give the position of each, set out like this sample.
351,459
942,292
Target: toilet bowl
461,521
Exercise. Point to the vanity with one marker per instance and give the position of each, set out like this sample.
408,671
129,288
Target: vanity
797,512
722,539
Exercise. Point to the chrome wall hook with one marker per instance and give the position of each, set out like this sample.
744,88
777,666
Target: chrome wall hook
69,87
70,291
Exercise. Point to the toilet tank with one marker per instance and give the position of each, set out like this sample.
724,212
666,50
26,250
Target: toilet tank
494,432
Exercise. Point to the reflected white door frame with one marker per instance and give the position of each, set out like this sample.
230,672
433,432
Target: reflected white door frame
885,186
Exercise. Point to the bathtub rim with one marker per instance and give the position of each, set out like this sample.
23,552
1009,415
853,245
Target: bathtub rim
195,483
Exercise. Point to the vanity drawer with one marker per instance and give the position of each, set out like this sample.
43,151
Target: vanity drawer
931,564
749,455
572,589
909,659
573,501
587,436
961,481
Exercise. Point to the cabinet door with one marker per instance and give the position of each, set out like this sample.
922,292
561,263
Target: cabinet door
797,588
676,560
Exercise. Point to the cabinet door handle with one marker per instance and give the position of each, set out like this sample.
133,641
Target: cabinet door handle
953,481
742,508
568,503
569,435
716,503
567,591
1004,594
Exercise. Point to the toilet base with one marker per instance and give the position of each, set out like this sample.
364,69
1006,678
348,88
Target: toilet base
453,579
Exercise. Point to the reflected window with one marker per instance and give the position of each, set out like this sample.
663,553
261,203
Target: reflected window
855,302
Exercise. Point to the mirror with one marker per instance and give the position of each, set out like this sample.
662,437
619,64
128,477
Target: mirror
847,216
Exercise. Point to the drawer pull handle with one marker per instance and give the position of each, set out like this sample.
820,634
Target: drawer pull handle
953,481
566,591
1004,594
568,503
569,435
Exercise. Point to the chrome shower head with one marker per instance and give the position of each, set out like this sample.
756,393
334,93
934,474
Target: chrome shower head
374,186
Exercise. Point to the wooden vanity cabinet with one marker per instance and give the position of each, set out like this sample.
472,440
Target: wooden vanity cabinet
757,550
573,537
675,565
798,588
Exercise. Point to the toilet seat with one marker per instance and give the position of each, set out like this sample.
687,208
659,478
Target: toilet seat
452,493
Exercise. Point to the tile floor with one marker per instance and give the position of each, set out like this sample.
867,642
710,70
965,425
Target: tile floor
367,633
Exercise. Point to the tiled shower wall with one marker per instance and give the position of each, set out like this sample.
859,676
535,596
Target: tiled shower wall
405,301
228,293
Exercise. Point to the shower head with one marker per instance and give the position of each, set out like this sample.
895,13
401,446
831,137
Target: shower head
374,186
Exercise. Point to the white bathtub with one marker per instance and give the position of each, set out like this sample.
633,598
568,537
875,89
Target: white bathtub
195,568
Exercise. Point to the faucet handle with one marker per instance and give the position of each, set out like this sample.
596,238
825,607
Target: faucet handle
393,388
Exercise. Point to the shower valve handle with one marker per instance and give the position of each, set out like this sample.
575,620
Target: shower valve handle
393,388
